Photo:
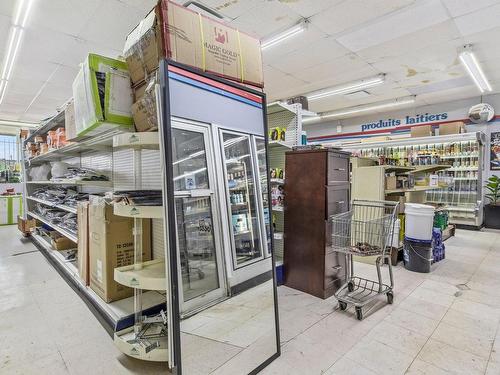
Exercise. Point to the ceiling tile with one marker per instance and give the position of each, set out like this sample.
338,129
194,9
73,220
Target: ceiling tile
233,8
461,7
142,5
312,43
267,19
308,8
416,17
7,7
334,68
65,16
111,24
351,14
416,43
480,20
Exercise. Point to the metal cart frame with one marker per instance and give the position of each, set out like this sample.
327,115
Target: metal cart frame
366,230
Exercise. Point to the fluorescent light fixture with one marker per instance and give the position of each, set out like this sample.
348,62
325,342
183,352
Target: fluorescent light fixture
284,35
469,61
18,124
347,88
16,35
342,113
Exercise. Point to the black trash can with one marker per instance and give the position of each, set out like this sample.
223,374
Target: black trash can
417,255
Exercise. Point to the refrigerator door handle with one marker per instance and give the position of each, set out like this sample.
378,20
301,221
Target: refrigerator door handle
200,192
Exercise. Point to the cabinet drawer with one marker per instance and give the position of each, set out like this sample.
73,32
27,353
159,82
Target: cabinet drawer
337,200
338,169
334,269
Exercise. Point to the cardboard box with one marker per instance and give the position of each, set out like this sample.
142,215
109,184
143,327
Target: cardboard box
212,46
69,121
175,32
111,245
456,127
62,243
398,198
421,131
102,96
390,182
143,47
144,110
26,225
82,213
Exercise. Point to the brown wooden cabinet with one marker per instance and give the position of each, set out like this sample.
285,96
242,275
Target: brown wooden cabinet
316,187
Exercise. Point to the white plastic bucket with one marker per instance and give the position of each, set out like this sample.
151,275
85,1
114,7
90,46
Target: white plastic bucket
418,221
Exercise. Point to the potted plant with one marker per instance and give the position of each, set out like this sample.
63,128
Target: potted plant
492,210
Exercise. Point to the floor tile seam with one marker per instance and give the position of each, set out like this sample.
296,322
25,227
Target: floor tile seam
429,338
359,364
462,349
493,345
64,361
232,357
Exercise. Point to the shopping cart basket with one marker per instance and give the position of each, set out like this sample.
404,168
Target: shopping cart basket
365,230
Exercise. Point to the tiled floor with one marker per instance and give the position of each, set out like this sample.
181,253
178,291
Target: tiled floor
445,322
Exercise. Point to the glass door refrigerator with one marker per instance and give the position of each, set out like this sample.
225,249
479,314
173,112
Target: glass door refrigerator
244,190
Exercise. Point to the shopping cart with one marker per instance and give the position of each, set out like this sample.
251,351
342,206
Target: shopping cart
365,230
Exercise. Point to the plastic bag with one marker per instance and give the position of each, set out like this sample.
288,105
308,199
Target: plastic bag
40,173
59,169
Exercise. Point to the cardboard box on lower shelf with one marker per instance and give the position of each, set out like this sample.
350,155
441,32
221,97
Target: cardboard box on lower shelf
59,242
82,213
111,245
26,225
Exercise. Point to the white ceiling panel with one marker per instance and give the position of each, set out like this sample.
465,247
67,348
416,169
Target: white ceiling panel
111,23
29,70
142,5
7,7
232,8
413,18
480,20
460,7
351,14
65,16
267,19
418,42
334,68
23,86
310,8
304,44
458,93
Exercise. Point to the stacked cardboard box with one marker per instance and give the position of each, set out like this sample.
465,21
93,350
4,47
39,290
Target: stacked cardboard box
179,34
111,245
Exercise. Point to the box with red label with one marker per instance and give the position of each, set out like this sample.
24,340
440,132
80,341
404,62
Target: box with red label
177,33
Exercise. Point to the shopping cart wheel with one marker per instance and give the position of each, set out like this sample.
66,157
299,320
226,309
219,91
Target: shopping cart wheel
342,305
359,313
390,298
350,286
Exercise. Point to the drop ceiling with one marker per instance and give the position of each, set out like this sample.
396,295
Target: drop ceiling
413,42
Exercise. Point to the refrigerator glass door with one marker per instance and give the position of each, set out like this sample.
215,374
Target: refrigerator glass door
260,147
198,239
242,198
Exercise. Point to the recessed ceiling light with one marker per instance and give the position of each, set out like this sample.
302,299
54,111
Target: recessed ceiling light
347,88
284,35
347,112
16,35
469,61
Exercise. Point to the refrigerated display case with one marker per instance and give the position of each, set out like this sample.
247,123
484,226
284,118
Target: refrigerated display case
243,200
461,190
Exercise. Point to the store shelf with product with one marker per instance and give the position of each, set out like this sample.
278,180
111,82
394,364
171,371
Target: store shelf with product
455,160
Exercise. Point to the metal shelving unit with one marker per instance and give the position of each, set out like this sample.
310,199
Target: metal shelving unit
461,162
288,117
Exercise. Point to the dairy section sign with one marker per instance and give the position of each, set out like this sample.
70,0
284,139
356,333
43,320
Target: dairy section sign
407,120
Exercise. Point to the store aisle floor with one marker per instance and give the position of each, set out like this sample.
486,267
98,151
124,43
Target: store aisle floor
445,322
45,328
440,323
